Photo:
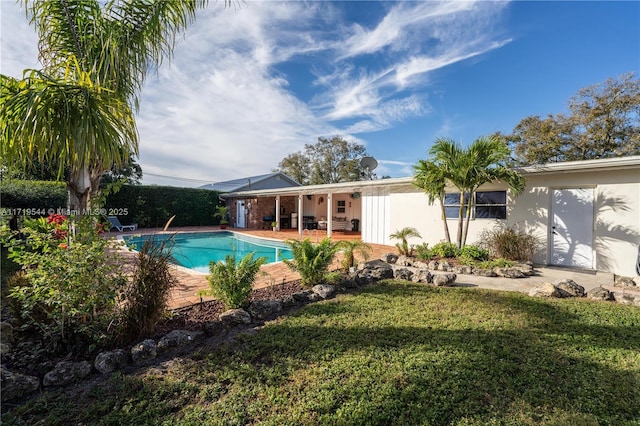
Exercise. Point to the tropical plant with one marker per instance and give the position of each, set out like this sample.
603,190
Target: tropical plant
431,179
222,214
445,249
68,289
231,281
510,243
146,297
484,161
349,248
78,111
423,251
311,260
470,254
403,235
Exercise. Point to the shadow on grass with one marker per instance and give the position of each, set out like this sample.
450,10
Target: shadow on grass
400,354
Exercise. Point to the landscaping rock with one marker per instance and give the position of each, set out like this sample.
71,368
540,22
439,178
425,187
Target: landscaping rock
433,265
213,328
175,339
144,350
484,272
420,264
314,297
544,290
422,276
525,268
389,258
445,266
626,298
325,291
510,273
402,274
569,288
108,362
235,317
302,296
16,385
66,372
463,269
288,301
404,261
6,332
443,280
262,309
599,293
620,281
377,270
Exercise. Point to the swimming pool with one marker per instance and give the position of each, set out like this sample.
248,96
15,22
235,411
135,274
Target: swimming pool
196,250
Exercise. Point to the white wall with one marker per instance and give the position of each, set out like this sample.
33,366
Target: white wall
376,216
616,215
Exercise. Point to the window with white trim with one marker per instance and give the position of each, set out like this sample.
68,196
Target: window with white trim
487,205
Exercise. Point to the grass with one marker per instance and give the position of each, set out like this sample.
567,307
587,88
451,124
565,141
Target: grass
396,353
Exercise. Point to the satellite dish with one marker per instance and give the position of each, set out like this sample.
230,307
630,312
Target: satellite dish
369,163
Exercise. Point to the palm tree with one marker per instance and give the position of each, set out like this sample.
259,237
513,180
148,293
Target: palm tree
403,235
468,169
80,107
430,178
311,260
349,248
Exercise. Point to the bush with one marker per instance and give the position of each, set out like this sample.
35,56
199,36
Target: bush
311,260
146,296
423,252
472,253
68,291
33,194
495,263
152,206
444,249
232,282
510,244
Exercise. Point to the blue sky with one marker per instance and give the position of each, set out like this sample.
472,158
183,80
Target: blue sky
252,83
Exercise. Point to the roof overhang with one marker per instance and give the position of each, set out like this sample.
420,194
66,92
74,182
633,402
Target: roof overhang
617,163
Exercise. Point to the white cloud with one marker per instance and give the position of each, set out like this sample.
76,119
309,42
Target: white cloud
250,84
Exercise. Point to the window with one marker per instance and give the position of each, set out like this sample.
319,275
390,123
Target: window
341,208
488,205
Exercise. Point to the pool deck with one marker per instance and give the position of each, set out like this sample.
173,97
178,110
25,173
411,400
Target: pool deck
191,282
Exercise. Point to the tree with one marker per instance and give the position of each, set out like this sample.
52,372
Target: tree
327,161
431,179
467,170
604,121
129,173
403,235
95,58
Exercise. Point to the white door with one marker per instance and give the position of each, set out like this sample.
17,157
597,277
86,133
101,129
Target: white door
240,214
572,227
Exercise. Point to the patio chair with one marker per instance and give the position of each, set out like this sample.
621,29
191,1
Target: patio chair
115,223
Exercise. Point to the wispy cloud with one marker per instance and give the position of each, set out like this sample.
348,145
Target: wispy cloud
250,84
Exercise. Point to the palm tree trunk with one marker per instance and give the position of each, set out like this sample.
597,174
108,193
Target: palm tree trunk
466,225
444,221
79,187
460,220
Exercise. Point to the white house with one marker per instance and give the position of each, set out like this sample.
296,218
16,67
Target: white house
586,212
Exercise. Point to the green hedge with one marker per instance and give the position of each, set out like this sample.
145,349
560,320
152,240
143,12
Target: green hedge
148,206
33,195
152,206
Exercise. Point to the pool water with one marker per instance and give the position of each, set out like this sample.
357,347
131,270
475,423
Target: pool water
196,250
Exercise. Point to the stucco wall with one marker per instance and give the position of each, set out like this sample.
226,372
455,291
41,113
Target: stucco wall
616,233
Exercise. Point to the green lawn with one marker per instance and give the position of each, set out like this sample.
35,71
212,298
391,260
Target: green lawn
396,353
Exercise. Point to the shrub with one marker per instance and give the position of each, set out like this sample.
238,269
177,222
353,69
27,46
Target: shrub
510,244
33,194
495,263
404,249
349,247
472,253
146,296
311,260
232,282
423,252
69,288
444,249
